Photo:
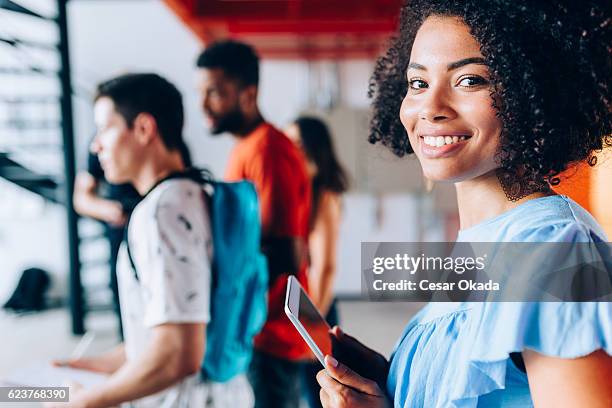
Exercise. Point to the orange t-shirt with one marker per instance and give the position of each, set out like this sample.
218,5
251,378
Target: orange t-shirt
277,168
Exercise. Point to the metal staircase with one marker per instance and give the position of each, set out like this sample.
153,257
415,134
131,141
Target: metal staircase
36,124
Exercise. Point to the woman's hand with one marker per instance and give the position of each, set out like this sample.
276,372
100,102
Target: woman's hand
361,359
342,387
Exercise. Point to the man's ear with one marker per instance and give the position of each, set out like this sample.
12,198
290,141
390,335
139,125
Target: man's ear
145,128
248,98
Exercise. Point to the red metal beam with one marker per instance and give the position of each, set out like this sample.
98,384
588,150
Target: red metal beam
294,28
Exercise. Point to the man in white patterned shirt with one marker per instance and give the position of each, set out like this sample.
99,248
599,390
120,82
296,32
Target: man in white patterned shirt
165,299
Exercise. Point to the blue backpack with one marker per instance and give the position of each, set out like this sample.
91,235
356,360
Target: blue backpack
238,307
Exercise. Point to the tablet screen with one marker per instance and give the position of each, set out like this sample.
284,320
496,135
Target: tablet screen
313,322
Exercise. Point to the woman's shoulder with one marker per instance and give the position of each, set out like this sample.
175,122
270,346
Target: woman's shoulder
329,203
554,218
558,219
556,329
481,338
330,198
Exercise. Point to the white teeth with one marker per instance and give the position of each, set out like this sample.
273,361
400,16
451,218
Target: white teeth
439,141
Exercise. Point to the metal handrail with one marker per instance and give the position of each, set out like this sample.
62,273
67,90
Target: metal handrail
28,71
17,8
14,42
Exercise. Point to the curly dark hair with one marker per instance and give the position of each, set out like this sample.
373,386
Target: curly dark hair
550,65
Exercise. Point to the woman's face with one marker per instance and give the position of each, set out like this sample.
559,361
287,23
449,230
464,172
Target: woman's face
447,111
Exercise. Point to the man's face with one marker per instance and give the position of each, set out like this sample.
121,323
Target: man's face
114,143
220,101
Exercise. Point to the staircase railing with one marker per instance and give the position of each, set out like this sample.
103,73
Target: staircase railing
55,185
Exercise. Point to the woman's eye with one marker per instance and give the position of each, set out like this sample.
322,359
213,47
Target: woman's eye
472,81
417,84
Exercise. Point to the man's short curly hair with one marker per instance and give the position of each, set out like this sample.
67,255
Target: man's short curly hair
550,68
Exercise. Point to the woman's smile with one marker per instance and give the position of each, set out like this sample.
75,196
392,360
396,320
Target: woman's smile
439,143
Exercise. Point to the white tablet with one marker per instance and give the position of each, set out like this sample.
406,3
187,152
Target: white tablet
307,320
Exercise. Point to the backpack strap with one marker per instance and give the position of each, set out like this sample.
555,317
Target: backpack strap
200,176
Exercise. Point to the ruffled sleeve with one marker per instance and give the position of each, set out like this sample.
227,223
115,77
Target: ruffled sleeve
458,355
564,330
567,231
558,262
555,329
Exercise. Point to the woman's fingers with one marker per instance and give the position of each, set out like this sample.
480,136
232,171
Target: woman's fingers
348,377
362,359
327,382
351,342
324,398
337,331
347,338
333,394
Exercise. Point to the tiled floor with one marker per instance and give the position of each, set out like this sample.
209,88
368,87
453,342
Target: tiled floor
38,337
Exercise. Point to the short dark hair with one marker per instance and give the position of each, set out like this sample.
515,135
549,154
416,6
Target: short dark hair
237,60
550,67
134,94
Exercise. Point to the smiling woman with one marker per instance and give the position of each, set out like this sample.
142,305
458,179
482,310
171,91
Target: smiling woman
545,71
447,111
497,97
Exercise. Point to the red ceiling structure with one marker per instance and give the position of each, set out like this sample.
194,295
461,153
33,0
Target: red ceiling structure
295,29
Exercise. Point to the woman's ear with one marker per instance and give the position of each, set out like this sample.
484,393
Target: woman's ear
145,128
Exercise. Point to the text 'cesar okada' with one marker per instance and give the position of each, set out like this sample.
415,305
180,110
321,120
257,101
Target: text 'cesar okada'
435,273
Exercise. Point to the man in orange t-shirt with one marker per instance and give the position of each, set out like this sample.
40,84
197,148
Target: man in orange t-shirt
229,75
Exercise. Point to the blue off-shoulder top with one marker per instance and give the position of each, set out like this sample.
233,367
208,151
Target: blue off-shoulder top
458,354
